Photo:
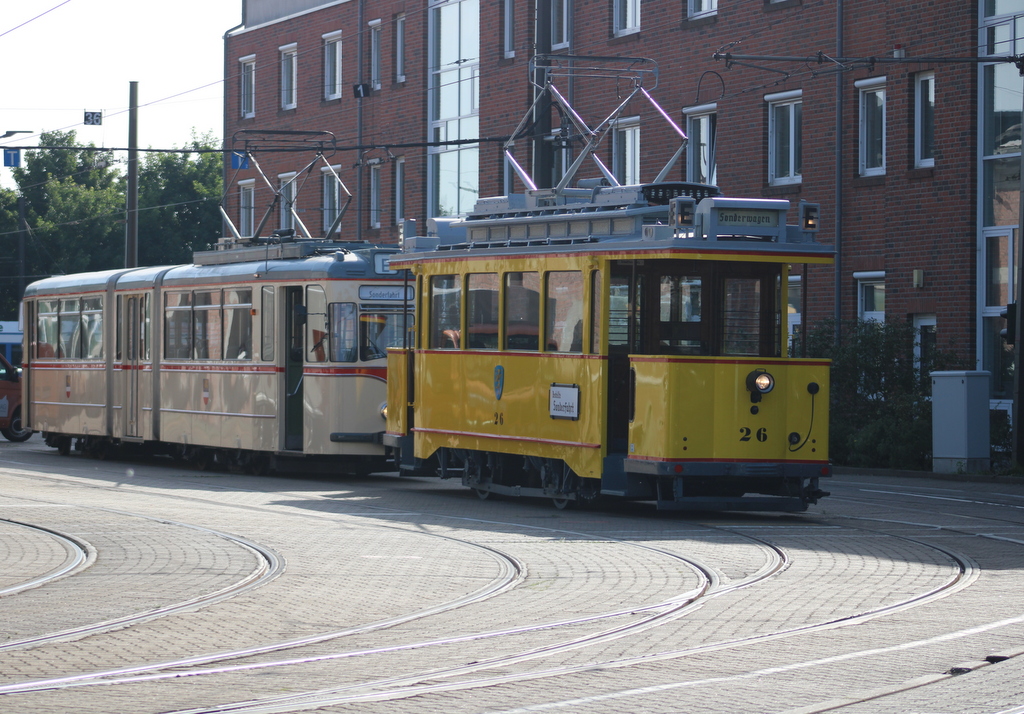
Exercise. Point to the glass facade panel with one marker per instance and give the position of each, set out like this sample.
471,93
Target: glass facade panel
1002,191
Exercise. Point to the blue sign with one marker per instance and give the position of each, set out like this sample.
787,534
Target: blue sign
239,160
12,157
499,381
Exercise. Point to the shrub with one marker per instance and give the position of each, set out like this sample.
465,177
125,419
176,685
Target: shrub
881,415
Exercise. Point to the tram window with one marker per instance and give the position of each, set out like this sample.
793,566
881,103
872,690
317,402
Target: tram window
378,331
178,325
70,322
317,334
741,316
147,325
482,311
92,327
679,329
206,325
563,331
595,312
618,312
445,312
46,330
522,310
267,325
238,324
117,332
343,332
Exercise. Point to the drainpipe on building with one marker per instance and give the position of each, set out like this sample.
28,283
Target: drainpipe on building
359,124
838,209
224,138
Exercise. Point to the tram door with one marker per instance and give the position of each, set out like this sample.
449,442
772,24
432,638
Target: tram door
131,366
295,320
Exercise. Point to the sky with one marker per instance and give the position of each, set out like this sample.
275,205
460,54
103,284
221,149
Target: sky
61,58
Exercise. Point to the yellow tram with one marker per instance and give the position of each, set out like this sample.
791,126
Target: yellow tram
627,341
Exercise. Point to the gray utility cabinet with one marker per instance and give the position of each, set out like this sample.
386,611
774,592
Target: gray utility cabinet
960,426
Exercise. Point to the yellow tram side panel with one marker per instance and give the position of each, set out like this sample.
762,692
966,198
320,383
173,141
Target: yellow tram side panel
398,391
457,406
700,410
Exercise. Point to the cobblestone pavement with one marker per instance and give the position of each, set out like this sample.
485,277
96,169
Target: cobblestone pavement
139,586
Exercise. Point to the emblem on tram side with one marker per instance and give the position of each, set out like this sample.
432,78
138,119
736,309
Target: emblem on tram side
499,381
206,392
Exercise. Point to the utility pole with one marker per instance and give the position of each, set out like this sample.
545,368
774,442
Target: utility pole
22,231
131,247
543,151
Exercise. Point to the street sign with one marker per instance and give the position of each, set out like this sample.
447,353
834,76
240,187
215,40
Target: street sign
239,160
12,157
93,118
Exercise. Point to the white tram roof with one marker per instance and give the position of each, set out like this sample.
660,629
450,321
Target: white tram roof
328,262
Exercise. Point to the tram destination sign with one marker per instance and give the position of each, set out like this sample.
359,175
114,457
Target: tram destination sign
748,217
385,292
564,401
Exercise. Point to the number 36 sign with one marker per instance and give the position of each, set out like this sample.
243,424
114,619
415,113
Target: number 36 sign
93,118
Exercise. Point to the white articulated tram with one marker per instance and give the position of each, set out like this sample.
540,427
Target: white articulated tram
243,358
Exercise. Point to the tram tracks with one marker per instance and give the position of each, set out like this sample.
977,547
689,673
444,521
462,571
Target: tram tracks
468,677
78,556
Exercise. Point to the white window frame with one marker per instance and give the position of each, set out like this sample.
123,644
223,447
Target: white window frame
376,63
287,199
701,8
375,196
508,30
788,100
865,279
400,48
246,208
924,121
332,65
247,86
399,190
330,197
868,88
626,150
561,9
705,116
289,63
626,16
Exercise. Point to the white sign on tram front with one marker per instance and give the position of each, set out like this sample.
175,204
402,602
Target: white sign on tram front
564,401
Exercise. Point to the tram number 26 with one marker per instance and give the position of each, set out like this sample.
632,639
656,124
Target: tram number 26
746,434
499,418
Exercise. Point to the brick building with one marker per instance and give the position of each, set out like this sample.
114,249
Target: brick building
914,159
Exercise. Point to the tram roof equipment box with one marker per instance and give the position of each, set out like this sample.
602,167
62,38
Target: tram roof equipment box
960,426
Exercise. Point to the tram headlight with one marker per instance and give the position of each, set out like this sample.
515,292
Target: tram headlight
759,383
384,411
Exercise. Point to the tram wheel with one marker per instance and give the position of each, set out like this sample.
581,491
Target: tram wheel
482,494
561,503
64,445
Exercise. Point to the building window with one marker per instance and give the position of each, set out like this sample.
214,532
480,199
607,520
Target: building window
626,151
559,24
332,65
627,16
375,54
508,37
924,119
453,182
872,126
289,76
400,48
331,197
701,128
246,207
701,8
785,137
375,202
871,295
287,200
247,90
399,190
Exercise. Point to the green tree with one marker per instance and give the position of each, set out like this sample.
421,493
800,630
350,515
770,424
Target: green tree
179,195
8,254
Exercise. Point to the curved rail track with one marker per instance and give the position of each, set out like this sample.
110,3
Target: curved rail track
551,649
